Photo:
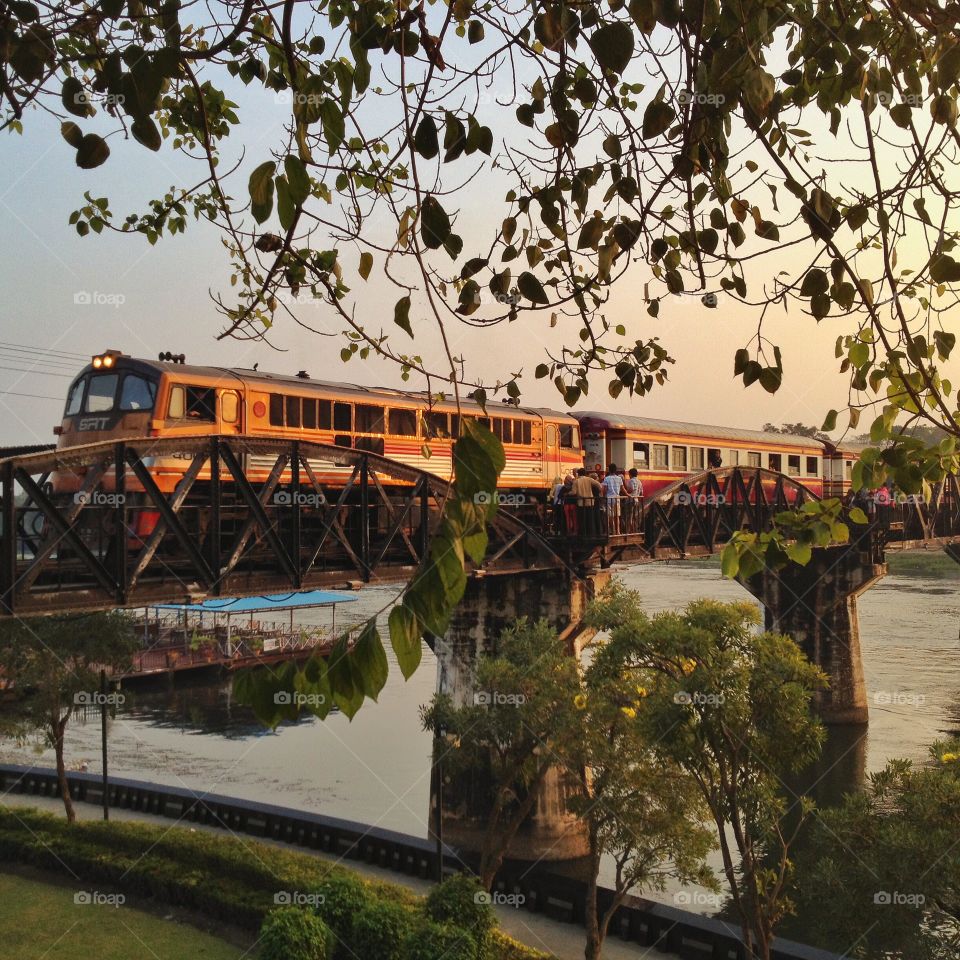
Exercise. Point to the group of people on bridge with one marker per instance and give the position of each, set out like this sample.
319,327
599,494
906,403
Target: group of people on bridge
597,503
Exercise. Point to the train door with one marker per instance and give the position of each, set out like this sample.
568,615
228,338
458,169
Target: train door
231,420
552,467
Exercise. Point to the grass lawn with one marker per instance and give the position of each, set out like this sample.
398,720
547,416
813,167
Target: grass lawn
38,920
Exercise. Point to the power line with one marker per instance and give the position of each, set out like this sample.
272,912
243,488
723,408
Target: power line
42,373
33,396
65,354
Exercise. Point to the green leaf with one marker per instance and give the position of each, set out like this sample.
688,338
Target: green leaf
401,314
366,264
434,223
531,288
729,561
858,516
656,119
92,151
405,639
334,126
816,281
426,141
612,45
286,211
830,421
71,133
298,179
74,98
944,269
370,660
145,131
260,188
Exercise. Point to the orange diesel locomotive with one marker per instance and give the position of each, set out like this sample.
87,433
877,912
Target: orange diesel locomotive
118,396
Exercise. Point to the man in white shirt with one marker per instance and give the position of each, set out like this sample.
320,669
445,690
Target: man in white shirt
613,488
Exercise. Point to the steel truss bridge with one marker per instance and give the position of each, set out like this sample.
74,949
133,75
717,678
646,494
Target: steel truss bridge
222,533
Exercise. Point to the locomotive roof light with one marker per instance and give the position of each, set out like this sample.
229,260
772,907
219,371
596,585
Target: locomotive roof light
97,362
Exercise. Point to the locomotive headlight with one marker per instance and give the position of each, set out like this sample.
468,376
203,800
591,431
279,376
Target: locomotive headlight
97,363
108,360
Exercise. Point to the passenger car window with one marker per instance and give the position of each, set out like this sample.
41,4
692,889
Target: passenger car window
102,393
137,393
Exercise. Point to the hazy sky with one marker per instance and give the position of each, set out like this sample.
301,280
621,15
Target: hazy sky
165,303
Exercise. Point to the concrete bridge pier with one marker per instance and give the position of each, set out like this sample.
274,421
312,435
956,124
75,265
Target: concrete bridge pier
816,605
490,604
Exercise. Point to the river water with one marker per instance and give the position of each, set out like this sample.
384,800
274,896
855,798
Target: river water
376,769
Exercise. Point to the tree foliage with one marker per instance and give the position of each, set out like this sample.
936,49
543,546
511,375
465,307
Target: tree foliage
880,872
731,708
689,145
53,666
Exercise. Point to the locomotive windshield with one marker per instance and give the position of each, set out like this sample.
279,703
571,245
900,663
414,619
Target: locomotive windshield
105,392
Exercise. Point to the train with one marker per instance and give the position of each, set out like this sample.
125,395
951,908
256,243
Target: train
118,397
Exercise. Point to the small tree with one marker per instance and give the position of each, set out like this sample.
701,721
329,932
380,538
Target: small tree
881,871
53,665
523,702
646,815
731,708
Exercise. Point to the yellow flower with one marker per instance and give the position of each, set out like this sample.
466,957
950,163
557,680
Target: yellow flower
949,757
688,666
629,712
642,691
580,701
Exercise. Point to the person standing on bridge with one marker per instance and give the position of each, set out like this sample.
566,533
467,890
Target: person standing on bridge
613,488
634,502
588,492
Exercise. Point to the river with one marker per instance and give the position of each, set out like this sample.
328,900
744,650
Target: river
376,769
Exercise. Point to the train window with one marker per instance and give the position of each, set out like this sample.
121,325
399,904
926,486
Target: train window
793,465
343,440
309,413
229,407
568,436
813,467
101,393
551,437
342,417
641,456
526,431
435,424
775,462
368,418
403,423
293,411
177,403
454,425
753,459
848,469
75,398
660,455
324,415
503,429
276,410
696,458
485,422
714,458
201,404
679,457
137,393
373,444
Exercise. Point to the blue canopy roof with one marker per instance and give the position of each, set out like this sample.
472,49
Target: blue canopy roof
273,601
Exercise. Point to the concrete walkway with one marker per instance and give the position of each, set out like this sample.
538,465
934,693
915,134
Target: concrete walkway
564,940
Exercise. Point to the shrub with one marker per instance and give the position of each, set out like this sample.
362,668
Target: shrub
462,901
379,930
344,896
291,933
438,941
